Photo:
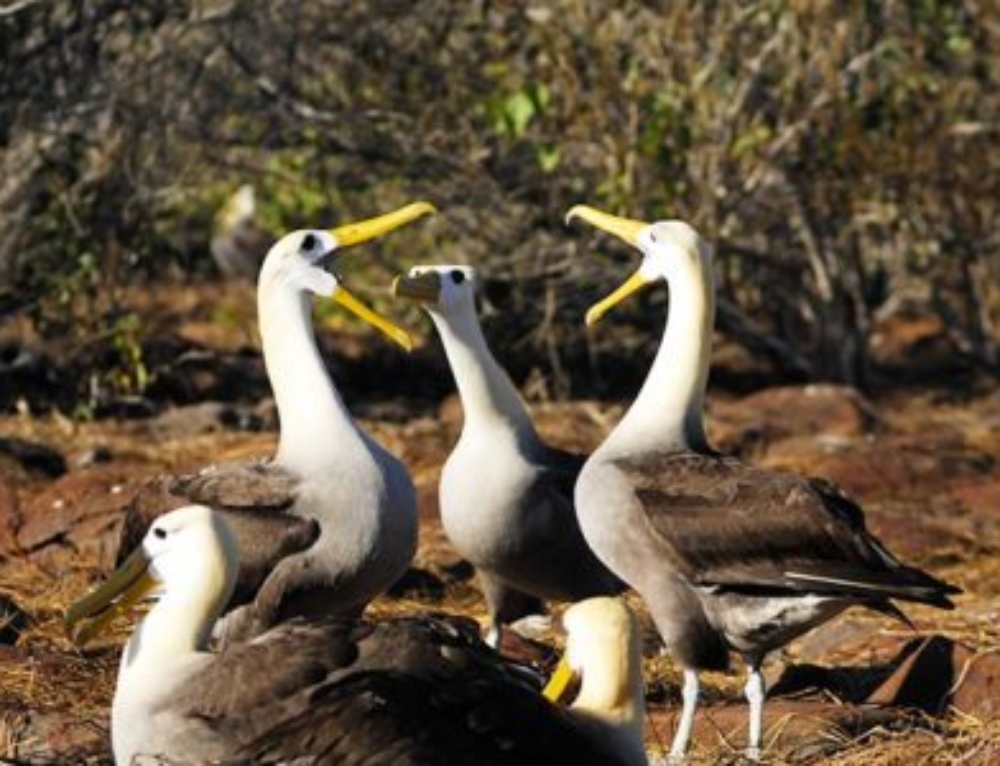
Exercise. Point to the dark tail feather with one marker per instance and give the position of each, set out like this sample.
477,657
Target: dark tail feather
904,584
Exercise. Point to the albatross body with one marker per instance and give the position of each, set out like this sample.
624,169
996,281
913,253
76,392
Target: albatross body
413,690
728,557
506,496
331,521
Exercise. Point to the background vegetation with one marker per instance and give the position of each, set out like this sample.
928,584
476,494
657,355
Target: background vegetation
842,155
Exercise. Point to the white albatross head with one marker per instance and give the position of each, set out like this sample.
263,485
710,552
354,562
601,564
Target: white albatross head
603,659
667,247
444,289
296,263
189,557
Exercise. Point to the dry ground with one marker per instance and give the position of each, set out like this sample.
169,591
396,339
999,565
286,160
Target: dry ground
924,463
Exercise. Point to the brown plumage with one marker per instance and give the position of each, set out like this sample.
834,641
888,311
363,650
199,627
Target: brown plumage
725,523
417,690
409,691
254,497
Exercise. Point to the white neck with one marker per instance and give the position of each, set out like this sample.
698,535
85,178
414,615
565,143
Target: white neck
178,625
668,412
314,420
489,398
612,695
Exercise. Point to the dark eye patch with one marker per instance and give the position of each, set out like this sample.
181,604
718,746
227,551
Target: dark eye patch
309,242
159,532
457,276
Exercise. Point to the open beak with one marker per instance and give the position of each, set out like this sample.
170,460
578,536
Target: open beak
633,284
360,310
425,288
563,683
127,586
627,230
363,231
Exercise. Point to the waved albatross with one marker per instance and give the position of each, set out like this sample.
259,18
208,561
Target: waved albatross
506,496
415,690
729,557
331,521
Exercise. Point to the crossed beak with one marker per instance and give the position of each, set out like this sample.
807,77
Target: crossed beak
627,230
128,585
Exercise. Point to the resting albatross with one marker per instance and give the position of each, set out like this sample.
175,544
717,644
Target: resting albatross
506,496
414,690
331,521
728,556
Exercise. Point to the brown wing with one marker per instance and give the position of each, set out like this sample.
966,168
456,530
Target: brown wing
410,691
254,497
723,522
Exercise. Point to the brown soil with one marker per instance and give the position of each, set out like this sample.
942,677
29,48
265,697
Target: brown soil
925,467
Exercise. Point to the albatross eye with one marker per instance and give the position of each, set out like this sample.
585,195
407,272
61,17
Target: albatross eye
457,276
309,242
159,533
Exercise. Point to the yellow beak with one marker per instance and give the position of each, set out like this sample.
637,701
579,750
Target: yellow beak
633,284
356,307
425,287
129,584
561,683
627,230
363,231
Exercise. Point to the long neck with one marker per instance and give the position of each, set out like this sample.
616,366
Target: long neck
178,626
489,398
613,696
313,417
668,412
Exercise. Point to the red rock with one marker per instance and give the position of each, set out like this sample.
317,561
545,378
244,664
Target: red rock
75,521
10,520
751,424
937,673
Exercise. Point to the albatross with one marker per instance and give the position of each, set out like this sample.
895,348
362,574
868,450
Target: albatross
414,690
331,521
506,496
729,557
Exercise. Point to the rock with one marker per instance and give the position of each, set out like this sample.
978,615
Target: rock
936,673
189,420
75,522
10,519
33,457
886,465
751,424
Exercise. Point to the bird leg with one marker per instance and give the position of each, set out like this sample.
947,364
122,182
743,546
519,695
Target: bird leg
689,694
754,691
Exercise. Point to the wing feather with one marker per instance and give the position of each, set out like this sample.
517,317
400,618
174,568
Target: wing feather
723,522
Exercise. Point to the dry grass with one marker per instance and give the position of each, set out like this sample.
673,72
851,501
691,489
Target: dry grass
44,673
